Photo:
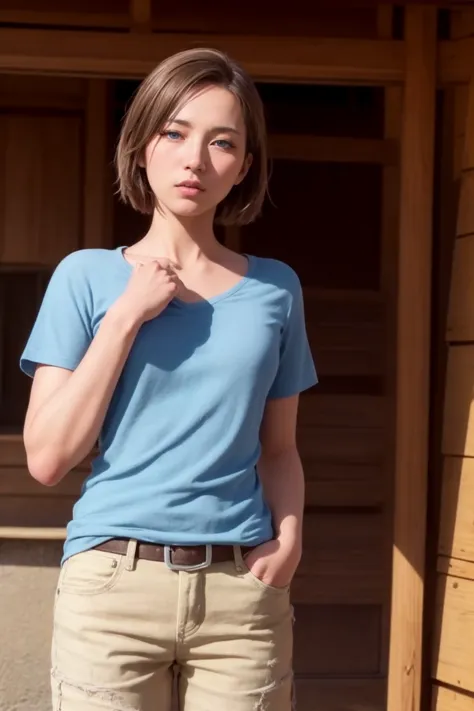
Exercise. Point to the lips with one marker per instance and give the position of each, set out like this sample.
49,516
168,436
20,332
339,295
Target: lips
193,184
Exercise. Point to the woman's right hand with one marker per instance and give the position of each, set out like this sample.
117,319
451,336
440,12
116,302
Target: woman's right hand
150,289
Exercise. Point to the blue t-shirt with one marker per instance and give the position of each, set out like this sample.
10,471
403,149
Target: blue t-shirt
180,441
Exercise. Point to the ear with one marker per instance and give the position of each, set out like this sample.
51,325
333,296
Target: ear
142,160
245,168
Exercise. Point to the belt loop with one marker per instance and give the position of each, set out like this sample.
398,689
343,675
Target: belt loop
239,559
131,553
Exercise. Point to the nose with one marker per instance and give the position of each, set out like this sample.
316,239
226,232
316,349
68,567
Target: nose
196,157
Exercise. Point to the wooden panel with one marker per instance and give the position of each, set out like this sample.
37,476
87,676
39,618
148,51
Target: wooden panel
98,178
454,632
322,110
468,148
448,700
343,560
458,434
348,639
465,224
140,11
456,567
327,149
342,695
460,115
20,296
42,92
462,22
34,511
41,159
460,324
355,445
329,481
72,6
360,359
347,337
342,411
319,240
413,360
256,19
344,485
12,452
456,536
16,481
133,55
454,61
63,18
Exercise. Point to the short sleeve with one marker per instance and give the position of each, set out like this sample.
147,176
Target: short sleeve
62,331
296,371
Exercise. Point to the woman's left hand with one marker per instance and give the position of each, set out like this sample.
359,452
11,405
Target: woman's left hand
273,562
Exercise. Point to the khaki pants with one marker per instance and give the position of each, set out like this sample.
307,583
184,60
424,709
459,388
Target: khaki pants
122,624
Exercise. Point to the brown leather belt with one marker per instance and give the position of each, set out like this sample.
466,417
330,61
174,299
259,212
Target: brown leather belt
176,557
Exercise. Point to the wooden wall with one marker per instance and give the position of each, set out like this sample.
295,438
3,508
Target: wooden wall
252,19
453,633
335,163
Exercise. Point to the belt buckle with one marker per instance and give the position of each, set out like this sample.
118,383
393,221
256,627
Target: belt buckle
176,566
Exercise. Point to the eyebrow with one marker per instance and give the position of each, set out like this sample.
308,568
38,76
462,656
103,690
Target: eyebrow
216,129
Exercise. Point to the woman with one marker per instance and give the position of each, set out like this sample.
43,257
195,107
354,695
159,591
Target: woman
185,360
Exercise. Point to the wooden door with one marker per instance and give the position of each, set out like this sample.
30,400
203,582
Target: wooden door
332,215
324,218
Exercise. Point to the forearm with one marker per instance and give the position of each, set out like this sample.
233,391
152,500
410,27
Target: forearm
283,484
65,428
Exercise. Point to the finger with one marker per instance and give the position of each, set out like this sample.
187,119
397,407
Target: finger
164,262
167,264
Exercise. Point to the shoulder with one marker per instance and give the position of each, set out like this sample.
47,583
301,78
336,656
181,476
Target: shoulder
79,277
278,273
79,268
84,260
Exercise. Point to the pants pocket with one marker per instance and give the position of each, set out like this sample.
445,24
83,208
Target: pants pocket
251,578
91,573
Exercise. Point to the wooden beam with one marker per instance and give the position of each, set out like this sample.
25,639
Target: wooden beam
96,53
140,14
331,149
113,20
413,360
33,533
97,181
454,58
266,58
393,103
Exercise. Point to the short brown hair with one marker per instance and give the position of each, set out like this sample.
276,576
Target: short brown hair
159,96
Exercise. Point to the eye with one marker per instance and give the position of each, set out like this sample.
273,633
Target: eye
172,135
221,143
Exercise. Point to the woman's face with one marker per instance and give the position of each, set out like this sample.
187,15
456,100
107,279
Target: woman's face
200,155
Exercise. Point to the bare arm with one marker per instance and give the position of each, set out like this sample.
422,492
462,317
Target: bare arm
281,471
67,408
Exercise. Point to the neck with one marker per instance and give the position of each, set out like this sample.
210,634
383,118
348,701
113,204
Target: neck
182,240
